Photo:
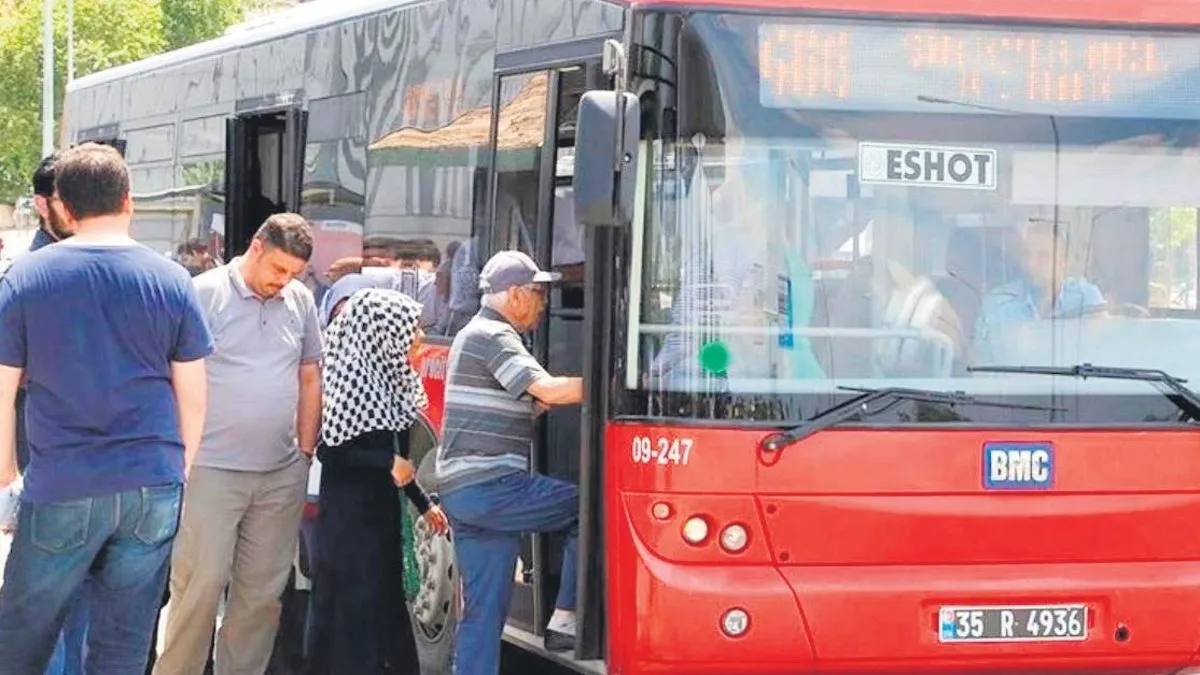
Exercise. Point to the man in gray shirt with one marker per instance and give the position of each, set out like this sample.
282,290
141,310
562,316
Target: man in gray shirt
494,391
245,495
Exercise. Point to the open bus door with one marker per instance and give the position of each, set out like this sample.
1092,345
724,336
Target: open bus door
235,171
295,135
530,208
264,170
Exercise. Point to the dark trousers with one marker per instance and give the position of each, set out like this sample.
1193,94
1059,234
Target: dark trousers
360,621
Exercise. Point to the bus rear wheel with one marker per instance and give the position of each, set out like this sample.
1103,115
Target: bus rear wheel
435,604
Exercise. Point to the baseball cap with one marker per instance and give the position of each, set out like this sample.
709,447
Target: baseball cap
512,268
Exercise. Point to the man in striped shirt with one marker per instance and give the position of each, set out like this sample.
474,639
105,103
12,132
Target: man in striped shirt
495,389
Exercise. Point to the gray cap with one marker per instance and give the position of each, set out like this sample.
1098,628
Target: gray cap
507,269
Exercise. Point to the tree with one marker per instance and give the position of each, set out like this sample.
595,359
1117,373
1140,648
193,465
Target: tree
186,22
108,33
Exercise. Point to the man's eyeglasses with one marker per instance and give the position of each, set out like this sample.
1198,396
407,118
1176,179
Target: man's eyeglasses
539,290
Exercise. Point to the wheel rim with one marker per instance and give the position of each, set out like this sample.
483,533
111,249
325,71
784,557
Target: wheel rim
431,606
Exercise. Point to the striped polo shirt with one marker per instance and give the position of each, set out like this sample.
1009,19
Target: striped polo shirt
487,428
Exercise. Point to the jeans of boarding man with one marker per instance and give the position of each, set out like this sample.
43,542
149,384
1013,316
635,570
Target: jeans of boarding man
120,544
488,520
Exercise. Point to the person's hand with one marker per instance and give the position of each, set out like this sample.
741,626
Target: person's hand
8,476
403,471
436,519
539,408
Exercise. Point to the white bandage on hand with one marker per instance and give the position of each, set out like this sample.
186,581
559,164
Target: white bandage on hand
10,502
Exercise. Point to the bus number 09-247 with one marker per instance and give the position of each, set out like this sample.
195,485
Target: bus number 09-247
661,451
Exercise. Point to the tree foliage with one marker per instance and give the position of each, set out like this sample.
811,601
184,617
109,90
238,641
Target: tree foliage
107,33
186,22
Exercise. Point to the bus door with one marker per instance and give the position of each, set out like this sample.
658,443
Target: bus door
531,208
264,170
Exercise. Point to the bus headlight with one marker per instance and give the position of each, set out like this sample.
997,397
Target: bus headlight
695,530
734,538
735,622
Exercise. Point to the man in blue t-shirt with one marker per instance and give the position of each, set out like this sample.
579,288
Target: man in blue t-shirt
53,227
111,340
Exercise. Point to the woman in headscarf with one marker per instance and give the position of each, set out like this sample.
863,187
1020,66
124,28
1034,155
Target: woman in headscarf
330,306
372,398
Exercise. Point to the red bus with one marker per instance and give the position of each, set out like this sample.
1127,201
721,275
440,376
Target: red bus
963,442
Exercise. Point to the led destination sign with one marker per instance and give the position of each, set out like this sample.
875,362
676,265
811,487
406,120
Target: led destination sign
847,66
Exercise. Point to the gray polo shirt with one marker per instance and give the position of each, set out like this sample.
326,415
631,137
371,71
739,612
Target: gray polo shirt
487,427
253,375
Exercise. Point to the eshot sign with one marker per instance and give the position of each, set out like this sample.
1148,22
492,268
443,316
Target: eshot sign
927,166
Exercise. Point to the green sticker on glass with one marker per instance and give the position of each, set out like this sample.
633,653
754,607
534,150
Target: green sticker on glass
714,357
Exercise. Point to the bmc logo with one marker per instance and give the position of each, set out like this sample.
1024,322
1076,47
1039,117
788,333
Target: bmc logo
1018,466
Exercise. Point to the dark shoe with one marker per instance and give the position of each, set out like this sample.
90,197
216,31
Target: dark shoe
559,642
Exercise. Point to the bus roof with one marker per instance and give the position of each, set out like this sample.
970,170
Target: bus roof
319,13
299,19
1140,12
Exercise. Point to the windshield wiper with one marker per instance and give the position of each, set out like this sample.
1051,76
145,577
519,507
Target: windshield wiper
858,406
1184,398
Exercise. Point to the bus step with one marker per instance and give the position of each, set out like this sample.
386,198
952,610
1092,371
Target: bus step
536,645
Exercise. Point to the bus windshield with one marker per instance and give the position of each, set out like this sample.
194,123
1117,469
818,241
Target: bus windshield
875,204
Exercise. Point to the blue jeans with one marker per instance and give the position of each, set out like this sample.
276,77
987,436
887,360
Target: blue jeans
120,544
488,520
69,651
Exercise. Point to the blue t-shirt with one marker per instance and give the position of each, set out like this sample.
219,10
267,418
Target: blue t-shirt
96,329
1015,301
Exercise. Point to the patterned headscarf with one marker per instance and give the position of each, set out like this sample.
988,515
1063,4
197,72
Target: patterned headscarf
368,381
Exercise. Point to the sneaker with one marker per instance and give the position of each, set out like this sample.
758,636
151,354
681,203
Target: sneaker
559,642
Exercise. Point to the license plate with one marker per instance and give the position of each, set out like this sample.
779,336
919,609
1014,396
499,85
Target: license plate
1017,623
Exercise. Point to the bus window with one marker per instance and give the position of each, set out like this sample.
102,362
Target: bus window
426,197
332,197
1172,242
567,250
520,133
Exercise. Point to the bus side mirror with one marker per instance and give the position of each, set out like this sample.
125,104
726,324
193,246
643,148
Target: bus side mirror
606,145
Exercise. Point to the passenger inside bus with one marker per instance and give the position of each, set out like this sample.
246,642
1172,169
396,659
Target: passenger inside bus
1042,287
463,290
567,253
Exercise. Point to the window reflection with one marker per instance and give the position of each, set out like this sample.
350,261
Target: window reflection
770,267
